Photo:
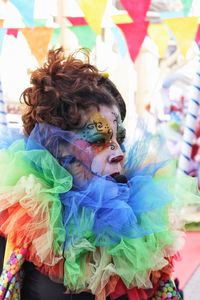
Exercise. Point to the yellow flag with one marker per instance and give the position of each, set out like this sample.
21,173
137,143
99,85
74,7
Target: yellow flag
38,39
122,19
8,250
94,11
160,35
184,29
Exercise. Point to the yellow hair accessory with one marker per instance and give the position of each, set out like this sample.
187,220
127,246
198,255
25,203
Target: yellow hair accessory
105,75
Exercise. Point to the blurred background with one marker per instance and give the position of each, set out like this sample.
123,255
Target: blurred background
149,48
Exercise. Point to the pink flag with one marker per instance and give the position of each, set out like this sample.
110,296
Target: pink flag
137,9
197,38
12,31
134,34
77,21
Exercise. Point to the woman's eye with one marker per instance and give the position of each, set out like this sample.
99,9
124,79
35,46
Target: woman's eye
99,142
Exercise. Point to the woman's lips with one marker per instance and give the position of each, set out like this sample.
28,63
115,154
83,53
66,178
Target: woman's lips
119,178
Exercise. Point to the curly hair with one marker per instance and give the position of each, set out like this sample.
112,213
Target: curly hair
63,89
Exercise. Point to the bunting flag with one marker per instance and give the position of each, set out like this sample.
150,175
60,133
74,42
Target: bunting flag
55,37
94,11
2,34
86,36
160,35
38,39
1,22
197,38
40,22
136,9
134,34
12,31
122,19
170,14
26,9
186,6
77,21
185,30
119,38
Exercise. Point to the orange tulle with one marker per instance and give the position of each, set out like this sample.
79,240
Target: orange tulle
26,219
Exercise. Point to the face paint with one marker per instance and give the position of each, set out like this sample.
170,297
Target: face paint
96,148
121,131
96,129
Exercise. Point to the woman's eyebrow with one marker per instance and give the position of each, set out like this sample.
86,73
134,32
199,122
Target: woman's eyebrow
116,116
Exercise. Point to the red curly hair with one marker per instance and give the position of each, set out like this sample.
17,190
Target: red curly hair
63,89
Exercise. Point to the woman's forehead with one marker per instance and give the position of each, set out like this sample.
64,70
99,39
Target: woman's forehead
110,113
107,116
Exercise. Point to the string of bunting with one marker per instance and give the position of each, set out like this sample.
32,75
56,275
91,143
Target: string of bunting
132,25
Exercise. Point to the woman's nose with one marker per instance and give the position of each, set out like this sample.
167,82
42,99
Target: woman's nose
116,154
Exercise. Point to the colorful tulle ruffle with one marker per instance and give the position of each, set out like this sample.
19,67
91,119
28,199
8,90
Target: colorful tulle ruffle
91,236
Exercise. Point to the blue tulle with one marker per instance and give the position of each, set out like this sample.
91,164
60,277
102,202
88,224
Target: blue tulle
104,210
118,209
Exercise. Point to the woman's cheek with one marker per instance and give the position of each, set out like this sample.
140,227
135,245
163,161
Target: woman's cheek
83,152
98,164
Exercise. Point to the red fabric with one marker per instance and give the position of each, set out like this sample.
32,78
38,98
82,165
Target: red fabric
133,294
197,38
136,9
77,21
134,34
12,31
144,294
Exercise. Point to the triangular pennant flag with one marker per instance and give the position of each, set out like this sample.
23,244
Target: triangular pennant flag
77,21
134,34
186,6
86,36
55,37
121,43
2,34
12,31
170,14
26,9
122,19
38,39
40,22
197,38
94,11
136,9
185,30
160,35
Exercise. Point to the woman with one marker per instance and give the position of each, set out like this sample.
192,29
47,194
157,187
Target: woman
89,223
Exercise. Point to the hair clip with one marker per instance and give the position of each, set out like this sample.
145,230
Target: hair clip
105,75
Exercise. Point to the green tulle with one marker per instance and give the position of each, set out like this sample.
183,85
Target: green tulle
16,162
140,256
131,259
37,167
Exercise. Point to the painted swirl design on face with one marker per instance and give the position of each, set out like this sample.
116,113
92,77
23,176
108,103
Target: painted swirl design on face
97,129
97,148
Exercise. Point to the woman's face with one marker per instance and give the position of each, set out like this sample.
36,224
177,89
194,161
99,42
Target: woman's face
97,146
